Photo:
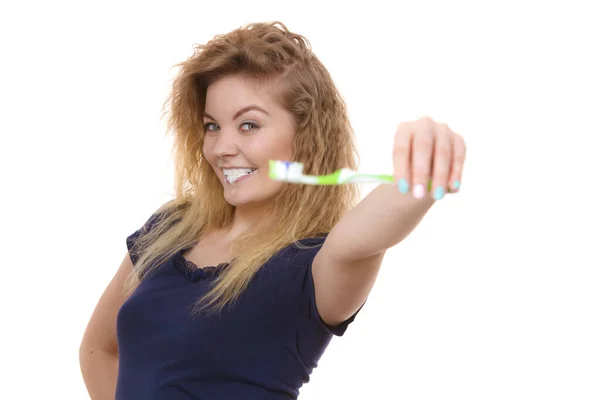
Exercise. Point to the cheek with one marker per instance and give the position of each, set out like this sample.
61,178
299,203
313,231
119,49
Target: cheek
256,147
266,147
262,150
280,149
206,153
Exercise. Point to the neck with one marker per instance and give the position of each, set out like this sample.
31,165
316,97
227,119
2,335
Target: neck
247,217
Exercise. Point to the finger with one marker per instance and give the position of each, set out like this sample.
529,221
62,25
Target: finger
459,152
421,156
401,157
442,161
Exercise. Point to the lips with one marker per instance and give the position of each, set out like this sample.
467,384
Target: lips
234,178
234,167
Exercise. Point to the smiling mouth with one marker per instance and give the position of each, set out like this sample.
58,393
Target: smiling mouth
235,176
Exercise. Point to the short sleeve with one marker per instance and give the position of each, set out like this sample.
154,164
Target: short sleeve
302,265
135,251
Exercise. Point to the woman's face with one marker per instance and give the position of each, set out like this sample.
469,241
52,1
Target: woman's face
245,128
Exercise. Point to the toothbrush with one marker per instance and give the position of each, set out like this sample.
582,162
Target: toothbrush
292,172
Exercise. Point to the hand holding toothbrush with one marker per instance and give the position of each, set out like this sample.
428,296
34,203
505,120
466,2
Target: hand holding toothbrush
428,156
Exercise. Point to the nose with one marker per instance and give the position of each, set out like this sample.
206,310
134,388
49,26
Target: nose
225,144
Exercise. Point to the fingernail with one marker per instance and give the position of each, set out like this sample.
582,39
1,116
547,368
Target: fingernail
419,191
403,186
438,193
456,185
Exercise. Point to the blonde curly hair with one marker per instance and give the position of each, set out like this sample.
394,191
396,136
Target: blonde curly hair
323,141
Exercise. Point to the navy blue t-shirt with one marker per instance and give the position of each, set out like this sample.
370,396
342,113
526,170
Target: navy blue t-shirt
265,347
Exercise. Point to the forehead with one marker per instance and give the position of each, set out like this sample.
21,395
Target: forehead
235,92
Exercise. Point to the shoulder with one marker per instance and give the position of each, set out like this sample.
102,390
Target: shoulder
159,215
308,244
292,262
292,266
165,211
300,253
140,239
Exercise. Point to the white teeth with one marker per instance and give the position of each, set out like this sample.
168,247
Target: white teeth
233,174
238,171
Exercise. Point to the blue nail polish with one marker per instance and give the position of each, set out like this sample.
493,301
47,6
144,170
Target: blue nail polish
456,185
403,186
438,193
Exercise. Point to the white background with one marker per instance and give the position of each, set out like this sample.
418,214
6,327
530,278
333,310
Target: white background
495,296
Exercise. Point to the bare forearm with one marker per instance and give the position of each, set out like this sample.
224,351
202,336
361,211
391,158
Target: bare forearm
99,370
380,221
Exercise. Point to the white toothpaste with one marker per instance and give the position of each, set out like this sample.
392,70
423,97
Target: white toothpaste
232,175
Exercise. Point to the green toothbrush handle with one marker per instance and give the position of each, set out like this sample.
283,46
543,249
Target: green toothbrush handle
374,178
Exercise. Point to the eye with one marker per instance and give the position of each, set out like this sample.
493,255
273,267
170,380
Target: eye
207,127
251,126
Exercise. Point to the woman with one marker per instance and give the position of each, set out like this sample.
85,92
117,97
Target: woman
234,288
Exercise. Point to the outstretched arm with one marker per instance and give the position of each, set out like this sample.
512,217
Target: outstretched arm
347,265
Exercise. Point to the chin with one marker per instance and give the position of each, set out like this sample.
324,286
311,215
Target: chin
246,200
242,197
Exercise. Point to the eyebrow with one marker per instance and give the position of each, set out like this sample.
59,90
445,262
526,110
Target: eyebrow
241,111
